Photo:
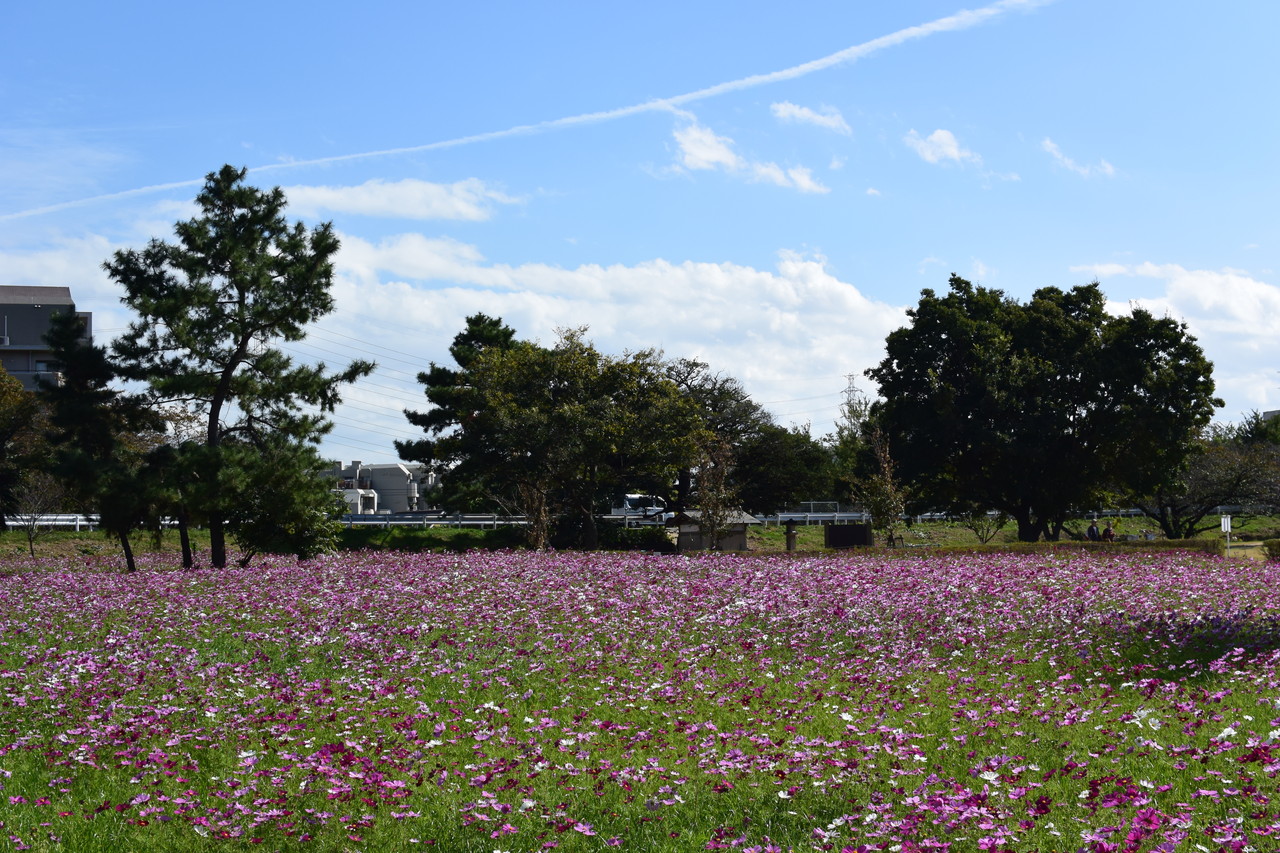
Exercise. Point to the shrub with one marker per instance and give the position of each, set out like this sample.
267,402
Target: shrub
647,538
1271,548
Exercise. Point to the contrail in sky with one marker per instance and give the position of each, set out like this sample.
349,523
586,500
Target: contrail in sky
959,21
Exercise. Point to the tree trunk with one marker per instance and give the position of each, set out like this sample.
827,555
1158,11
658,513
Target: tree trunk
130,565
684,487
184,536
213,439
217,541
590,532
1030,527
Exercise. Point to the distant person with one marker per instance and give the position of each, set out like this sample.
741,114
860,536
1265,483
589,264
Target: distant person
1093,535
1108,535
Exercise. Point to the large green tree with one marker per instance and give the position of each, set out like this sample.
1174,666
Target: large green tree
458,457
213,308
551,432
1038,409
733,423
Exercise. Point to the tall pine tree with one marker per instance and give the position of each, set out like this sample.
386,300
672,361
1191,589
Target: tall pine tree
213,308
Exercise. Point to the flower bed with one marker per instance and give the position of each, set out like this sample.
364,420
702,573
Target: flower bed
521,701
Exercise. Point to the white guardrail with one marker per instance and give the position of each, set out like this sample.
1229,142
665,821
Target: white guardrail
61,521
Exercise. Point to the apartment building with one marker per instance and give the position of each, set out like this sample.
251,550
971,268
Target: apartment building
25,314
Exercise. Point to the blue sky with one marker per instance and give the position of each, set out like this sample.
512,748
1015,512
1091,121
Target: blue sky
764,187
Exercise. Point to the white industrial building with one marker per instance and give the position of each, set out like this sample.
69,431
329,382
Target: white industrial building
383,488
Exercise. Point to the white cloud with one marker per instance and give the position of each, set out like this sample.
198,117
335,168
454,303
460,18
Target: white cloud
470,199
790,333
872,191
940,146
1227,300
700,148
802,179
1234,316
75,262
828,118
769,173
415,256
1103,168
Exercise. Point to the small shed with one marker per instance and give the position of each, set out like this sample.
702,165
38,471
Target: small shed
689,535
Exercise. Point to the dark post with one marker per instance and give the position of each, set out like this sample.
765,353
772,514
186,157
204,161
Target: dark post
791,534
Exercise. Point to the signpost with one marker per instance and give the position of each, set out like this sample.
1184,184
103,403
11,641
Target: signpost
1226,528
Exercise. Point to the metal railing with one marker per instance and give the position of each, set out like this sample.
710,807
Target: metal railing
60,521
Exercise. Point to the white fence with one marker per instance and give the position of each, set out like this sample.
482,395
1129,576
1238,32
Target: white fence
64,521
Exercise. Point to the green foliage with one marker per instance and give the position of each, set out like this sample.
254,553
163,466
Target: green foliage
645,538
94,432
739,432
1228,465
433,538
1257,430
457,456
1035,409
879,492
779,467
1271,547
983,525
851,456
717,496
285,507
549,433
212,308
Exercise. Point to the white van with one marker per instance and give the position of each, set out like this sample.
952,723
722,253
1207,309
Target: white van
639,507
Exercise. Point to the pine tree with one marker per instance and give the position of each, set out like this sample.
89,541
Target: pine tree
213,308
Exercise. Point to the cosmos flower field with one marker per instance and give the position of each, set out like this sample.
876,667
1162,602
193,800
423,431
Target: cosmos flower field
519,701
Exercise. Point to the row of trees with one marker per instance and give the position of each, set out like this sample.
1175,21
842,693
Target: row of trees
989,409
195,413
552,432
